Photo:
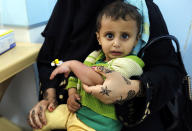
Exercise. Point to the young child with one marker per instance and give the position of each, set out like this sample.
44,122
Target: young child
118,31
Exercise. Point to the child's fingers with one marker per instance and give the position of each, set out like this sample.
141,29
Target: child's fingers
77,96
72,109
73,106
59,70
66,74
53,74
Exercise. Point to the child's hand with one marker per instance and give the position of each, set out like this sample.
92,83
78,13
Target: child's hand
62,69
73,102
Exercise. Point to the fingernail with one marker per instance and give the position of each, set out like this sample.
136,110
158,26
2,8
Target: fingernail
51,109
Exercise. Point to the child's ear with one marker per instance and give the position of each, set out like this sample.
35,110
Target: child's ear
138,36
98,38
137,39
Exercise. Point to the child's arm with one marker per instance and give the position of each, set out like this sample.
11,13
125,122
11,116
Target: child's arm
86,74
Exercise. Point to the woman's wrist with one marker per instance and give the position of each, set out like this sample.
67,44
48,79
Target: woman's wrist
134,87
49,94
138,88
131,90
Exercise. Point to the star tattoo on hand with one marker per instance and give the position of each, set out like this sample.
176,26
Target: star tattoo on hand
105,91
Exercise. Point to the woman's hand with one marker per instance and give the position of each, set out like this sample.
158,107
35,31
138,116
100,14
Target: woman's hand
115,89
73,100
36,117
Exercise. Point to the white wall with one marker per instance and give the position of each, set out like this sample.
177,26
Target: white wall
25,12
22,94
39,10
13,12
178,16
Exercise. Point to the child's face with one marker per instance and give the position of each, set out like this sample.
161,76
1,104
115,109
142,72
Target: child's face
117,38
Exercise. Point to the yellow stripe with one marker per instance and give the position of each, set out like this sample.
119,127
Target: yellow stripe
7,32
88,63
90,59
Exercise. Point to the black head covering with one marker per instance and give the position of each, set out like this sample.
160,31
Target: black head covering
69,34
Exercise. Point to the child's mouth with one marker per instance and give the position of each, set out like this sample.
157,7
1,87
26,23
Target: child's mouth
116,53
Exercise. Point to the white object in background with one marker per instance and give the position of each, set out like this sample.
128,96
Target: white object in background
7,40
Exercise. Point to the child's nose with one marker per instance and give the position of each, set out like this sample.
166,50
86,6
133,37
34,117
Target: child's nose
116,43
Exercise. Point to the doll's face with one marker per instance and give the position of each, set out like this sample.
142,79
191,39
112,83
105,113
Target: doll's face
117,37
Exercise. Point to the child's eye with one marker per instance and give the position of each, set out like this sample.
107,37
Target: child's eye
125,36
109,36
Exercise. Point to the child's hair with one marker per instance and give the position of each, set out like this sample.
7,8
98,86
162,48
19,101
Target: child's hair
117,10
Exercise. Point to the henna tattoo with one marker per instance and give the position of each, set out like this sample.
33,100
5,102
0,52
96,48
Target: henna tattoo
40,112
45,95
107,70
130,95
33,113
120,101
140,92
33,116
41,108
103,69
127,81
105,91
